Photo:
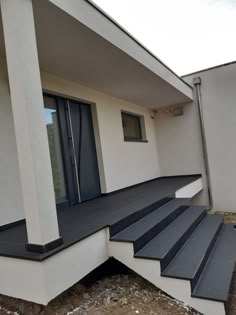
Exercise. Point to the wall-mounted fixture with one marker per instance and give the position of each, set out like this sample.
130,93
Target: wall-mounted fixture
178,111
153,113
173,110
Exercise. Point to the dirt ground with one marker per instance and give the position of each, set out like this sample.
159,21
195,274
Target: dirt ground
124,293
115,295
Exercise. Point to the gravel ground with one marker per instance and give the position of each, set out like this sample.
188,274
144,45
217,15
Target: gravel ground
116,295
120,294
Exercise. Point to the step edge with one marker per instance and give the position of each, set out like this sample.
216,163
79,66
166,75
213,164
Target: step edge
205,258
160,258
184,295
158,228
209,298
195,289
220,224
155,209
182,240
120,225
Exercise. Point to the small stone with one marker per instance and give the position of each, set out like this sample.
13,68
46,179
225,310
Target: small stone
124,301
86,295
137,311
107,301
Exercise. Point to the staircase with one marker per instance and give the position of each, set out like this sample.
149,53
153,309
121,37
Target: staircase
181,249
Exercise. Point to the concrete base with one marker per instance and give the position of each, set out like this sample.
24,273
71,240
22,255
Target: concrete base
40,282
190,190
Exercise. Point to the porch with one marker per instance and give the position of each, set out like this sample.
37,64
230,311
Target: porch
57,55
80,221
50,52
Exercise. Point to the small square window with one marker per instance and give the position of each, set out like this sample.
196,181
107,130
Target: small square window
132,127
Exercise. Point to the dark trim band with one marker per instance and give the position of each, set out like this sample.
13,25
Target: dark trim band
11,225
210,68
134,140
197,176
42,249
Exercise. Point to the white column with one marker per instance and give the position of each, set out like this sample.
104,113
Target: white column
30,128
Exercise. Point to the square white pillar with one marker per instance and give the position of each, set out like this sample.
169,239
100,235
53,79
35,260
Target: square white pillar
30,128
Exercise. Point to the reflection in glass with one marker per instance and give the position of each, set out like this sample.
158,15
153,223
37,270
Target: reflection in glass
51,117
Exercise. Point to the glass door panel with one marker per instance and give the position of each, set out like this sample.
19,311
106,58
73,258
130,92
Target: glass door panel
53,132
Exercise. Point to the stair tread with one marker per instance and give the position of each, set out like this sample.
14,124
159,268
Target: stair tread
186,262
215,280
160,245
137,229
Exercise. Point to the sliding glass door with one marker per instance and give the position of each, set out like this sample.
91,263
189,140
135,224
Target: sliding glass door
54,142
72,150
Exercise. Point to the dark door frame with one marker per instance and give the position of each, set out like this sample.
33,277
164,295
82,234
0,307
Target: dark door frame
66,139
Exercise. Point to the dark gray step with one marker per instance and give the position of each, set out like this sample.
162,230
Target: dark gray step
165,245
157,220
191,259
137,215
214,283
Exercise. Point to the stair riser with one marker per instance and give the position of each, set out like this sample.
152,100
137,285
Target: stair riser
150,270
173,251
194,281
149,235
134,217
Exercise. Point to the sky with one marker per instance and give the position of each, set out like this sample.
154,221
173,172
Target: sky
187,35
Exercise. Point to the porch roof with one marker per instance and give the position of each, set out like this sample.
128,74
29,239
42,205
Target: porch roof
79,42
79,222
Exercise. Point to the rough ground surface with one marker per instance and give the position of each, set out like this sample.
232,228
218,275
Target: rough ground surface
115,295
121,294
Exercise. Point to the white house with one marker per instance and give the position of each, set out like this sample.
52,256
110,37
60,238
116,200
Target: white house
106,152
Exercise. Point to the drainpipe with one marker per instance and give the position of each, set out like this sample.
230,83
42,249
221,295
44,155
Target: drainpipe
197,84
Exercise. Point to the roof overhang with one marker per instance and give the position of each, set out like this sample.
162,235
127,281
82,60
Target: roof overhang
79,42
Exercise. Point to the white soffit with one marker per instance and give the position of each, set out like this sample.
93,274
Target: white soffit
78,42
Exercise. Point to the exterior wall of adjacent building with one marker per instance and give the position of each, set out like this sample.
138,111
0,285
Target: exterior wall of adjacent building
219,110
179,137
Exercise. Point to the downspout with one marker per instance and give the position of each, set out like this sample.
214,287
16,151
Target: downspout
197,84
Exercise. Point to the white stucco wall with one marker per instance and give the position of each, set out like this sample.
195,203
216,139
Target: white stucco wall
43,281
121,164
218,92
179,142
179,145
11,203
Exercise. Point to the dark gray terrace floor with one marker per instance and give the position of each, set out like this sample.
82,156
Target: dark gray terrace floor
80,221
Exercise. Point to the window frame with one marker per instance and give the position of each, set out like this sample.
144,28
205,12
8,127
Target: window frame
140,126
